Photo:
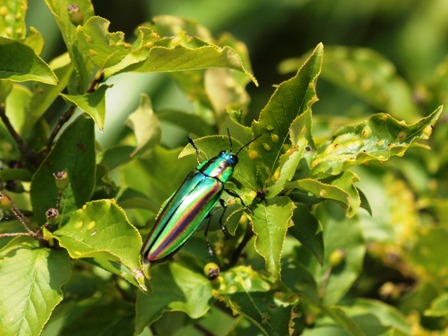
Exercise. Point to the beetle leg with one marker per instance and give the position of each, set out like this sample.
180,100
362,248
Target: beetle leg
223,226
209,248
234,194
190,140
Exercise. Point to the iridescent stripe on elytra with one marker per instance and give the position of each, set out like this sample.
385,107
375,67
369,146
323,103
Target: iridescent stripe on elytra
185,220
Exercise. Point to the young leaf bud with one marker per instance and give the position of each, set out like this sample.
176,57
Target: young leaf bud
52,215
337,257
75,15
61,179
211,271
5,201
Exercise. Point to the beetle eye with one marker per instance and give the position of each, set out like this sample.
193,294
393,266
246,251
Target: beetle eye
234,158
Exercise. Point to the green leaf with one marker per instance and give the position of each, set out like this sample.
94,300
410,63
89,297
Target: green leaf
191,123
367,313
242,279
248,294
377,138
427,255
146,126
82,63
291,98
339,188
157,181
368,75
101,230
265,310
271,220
12,23
288,164
299,280
174,288
21,174
75,153
5,89
345,322
151,53
104,49
439,306
93,103
301,129
34,40
19,63
337,279
44,94
16,106
306,229
111,318
31,278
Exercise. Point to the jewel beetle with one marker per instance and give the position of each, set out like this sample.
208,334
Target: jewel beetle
185,210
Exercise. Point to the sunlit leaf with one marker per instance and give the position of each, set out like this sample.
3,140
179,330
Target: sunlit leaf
93,103
13,24
439,307
31,278
84,66
291,98
288,165
19,63
101,230
34,40
377,138
146,126
175,53
17,106
105,49
338,188
271,220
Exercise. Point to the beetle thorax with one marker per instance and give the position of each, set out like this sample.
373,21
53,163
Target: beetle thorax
221,166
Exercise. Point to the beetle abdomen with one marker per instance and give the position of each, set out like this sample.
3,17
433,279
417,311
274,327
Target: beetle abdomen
182,215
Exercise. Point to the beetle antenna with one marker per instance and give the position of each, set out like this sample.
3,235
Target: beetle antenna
230,140
190,140
247,144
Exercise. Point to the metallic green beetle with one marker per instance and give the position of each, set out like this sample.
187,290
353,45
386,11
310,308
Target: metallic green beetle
187,208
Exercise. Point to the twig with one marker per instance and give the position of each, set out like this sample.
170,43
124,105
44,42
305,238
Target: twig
62,120
67,115
236,254
23,219
15,234
17,138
